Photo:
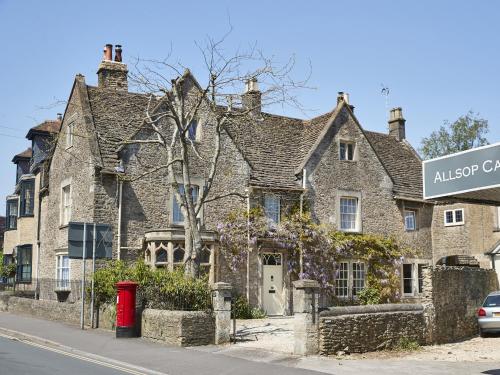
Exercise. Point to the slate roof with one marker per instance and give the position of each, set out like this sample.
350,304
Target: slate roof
26,154
275,146
46,127
401,162
117,115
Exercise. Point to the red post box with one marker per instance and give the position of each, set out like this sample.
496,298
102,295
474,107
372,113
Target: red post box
125,309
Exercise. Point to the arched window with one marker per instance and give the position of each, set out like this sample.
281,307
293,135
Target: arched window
161,258
178,255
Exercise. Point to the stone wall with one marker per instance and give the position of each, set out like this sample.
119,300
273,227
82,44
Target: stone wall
451,298
359,329
53,310
180,328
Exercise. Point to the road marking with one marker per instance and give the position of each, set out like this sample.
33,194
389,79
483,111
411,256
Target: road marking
95,361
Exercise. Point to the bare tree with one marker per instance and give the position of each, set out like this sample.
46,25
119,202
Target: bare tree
175,104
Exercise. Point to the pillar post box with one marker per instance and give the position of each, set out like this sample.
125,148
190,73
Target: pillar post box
125,309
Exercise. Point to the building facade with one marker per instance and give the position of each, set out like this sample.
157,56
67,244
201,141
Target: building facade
352,179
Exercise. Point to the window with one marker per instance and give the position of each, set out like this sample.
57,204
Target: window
346,151
65,204
27,198
421,277
177,216
410,220
408,279
358,278
69,135
161,258
497,217
23,272
342,280
178,255
349,278
348,214
193,130
272,208
454,217
11,215
62,272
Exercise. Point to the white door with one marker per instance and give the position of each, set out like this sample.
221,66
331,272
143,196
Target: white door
272,285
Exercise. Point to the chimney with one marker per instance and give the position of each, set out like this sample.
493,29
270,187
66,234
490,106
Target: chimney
59,116
397,124
252,97
342,97
112,74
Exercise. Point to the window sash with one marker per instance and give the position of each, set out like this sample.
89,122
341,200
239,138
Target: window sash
27,198
177,215
358,277
408,279
63,271
342,280
11,214
348,213
420,277
23,273
272,208
410,220
346,151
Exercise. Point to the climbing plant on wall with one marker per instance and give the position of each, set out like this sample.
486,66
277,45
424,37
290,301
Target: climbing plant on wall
322,248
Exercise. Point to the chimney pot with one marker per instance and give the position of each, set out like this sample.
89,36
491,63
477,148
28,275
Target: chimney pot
397,122
108,52
118,53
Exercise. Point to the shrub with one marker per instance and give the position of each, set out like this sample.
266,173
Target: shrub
369,296
158,289
405,344
243,310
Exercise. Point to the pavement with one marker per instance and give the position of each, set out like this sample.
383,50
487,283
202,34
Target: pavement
140,356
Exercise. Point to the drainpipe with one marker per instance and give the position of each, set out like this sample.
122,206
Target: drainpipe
248,245
37,287
120,195
304,183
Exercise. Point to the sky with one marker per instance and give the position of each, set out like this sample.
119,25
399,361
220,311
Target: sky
439,59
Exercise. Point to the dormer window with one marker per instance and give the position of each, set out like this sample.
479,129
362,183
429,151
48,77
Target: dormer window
346,150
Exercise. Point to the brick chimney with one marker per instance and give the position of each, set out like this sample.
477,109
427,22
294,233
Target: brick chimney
397,124
252,97
112,74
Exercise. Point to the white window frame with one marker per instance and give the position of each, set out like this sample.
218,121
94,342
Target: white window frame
349,282
66,209
454,215
415,280
497,217
415,227
273,213
357,220
59,267
70,134
347,143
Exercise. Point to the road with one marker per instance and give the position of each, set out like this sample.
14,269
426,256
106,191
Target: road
22,358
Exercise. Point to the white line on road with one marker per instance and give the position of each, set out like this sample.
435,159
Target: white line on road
101,363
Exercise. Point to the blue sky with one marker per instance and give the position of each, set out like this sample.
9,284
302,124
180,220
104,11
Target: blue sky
439,59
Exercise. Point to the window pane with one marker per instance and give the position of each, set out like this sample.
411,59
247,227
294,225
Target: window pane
342,154
178,254
350,151
410,220
459,217
358,277
449,217
193,126
348,213
272,208
408,278
342,279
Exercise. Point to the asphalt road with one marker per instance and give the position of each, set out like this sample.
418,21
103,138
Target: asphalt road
21,358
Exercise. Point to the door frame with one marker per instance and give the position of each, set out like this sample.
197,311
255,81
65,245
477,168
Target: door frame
284,299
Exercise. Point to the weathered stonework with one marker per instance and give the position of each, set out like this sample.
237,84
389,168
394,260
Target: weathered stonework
359,329
180,328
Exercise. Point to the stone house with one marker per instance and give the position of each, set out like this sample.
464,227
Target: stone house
356,180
